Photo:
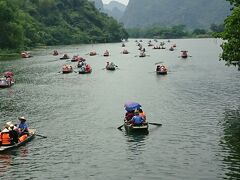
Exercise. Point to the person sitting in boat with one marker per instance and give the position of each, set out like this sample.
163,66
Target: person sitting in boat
142,114
83,68
87,67
81,63
22,127
65,56
9,79
112,64
55,52
13,131
129,115
137,119
5,137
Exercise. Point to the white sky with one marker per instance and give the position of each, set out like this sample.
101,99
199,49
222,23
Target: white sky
121,1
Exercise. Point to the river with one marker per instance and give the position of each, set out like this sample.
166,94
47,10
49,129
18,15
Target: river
80,114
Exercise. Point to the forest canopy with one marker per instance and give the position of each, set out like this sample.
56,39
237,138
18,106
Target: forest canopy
27,23
231,35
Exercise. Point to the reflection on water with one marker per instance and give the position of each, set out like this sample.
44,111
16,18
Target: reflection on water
231,142
136,143
5,162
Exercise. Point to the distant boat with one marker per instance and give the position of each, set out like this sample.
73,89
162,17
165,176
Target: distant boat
111,66
106,53
125,51
171,48
184,54
26,54
142,54
65,56
86,69
92,53
162,70
4,83
67,69
55,53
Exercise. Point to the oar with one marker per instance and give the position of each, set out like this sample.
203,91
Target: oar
41,136
157,124
120,127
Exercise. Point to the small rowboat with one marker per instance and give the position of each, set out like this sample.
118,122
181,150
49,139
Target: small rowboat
67,69
65,56
106,53
5,84
75,58
142,54
85,69
92,53
162,70
184,54
55,53
132,129
125,51
32,133
111,66
26,54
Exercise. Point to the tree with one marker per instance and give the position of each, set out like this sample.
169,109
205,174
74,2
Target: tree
11,32
231,36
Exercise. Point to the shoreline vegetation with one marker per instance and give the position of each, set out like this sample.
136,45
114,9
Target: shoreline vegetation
8,54
174,32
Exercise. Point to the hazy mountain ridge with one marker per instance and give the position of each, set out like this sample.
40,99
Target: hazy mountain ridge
98,4
192,13
114,9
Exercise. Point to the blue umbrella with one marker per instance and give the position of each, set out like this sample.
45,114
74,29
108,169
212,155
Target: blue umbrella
131,106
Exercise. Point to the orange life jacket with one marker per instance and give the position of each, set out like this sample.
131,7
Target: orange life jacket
23,138
143,115
5,137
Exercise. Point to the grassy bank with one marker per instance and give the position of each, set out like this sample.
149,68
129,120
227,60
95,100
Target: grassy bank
7,54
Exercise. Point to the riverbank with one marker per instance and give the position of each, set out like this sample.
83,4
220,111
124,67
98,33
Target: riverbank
8,54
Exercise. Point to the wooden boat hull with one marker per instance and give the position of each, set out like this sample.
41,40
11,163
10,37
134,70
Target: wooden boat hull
111,68
131,129
32,133
5,84
64,58
161,72
66,72
84,72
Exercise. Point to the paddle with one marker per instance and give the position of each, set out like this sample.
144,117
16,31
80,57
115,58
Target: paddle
157,124
120,127
41,136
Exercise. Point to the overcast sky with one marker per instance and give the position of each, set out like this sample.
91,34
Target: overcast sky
121,1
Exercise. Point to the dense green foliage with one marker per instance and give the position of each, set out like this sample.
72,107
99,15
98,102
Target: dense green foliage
231,47
26,23
179,31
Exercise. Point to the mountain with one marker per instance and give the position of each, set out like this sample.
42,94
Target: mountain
114,4
98,4
192,13
114,9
